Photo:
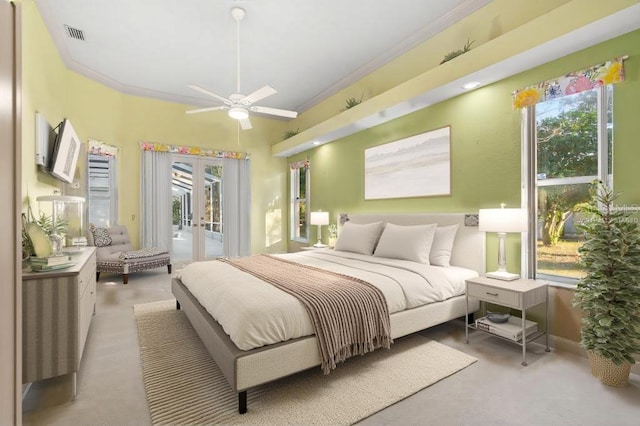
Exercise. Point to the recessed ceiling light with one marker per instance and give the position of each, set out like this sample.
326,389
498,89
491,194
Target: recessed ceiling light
471,85
316,142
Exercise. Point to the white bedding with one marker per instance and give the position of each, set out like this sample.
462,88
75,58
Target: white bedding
254,313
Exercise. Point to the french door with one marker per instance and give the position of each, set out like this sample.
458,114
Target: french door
196,185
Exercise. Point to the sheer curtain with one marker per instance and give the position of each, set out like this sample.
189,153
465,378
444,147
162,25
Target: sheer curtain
236,202
156,197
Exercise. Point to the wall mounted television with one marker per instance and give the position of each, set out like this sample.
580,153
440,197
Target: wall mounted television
66,149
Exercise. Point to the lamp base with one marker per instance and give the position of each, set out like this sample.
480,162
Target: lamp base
502,275
320,245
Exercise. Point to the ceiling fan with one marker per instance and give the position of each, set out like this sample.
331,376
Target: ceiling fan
238,105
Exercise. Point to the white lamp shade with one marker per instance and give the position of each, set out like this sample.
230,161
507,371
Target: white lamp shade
503,220
319,218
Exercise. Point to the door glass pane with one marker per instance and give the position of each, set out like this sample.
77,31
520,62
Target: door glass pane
182,188
212,215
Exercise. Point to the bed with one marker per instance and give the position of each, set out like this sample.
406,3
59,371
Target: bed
249,357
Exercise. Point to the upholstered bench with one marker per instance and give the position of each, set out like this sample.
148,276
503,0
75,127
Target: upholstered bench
115,254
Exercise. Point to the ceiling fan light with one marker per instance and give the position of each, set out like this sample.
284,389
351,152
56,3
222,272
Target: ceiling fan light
238,113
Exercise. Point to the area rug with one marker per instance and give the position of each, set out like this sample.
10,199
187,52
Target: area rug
185,386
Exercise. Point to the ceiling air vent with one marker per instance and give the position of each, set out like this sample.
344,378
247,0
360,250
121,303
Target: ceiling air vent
74,33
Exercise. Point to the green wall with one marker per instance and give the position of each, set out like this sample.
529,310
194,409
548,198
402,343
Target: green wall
485,145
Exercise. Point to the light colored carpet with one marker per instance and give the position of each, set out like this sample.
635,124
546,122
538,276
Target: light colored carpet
184,385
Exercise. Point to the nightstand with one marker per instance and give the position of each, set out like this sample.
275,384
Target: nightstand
520,294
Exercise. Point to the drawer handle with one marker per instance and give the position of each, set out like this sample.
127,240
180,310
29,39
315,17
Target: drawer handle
492,294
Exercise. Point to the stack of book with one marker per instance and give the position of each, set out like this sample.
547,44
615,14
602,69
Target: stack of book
50,263
512,329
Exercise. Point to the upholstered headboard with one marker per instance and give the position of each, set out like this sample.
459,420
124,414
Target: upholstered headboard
468,248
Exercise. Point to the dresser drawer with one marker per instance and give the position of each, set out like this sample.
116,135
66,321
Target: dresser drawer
496,295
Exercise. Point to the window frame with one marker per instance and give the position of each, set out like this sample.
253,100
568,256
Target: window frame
294,176
112,189
530,183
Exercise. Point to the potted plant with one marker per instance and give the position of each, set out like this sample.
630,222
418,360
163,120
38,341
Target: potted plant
609,294
455,53
352,102
333,234
290,133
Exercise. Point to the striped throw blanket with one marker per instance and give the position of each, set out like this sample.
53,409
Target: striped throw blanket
350,316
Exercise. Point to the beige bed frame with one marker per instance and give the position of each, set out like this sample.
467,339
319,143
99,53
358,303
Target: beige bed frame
246,369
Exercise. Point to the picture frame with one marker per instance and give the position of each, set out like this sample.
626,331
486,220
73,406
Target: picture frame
416,166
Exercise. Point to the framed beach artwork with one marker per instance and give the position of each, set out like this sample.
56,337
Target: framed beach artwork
417,166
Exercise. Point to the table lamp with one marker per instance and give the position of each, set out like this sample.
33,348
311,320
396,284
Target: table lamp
502,221
319,219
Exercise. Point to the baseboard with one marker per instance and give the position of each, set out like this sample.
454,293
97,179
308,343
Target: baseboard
576,348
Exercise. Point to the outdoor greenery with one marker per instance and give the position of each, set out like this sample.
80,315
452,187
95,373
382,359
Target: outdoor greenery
561,259
177,212
609,295
567,147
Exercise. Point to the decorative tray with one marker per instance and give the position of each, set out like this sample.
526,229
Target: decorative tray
497,317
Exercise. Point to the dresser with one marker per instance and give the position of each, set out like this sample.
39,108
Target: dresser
57,307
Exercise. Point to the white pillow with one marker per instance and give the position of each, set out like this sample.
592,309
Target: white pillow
359,238
442,246
406,242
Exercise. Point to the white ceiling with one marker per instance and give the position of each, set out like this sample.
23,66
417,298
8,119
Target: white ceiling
306,50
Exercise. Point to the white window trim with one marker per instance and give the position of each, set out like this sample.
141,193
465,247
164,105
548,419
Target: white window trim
529,178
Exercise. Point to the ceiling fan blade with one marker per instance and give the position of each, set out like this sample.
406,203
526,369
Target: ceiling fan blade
274,111
206,92
216,108
245,124
259,94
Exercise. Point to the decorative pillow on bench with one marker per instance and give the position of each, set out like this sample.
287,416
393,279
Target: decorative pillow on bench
101,237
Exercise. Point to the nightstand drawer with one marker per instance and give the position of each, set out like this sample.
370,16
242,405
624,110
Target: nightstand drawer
496,295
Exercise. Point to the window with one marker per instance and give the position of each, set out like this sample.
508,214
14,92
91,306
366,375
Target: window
300,201
570,146
103,197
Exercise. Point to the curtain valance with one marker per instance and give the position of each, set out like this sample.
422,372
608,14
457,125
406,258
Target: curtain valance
98,148
192,150
300,165
609,72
